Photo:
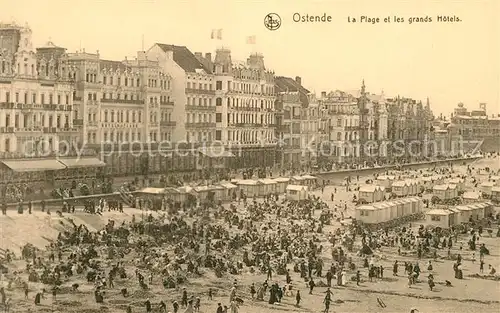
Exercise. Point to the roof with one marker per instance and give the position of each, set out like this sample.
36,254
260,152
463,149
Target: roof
309,177
366,207
284,84
185,189
267,181
207,188
471,195
495,189
248,182
456,181
441,187
82,162
370,188
150,190
228,185
298,178
438,212
112,65
400,183
184,58
386,177
282,179
296,187
34,165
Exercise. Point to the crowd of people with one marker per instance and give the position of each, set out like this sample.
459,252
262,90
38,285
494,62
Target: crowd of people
267,249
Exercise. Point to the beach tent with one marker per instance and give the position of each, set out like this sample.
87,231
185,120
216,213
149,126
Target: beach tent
371,193
281,183
400,188
470,197
267,186
250,187
439,218
487,187
297,192
230,188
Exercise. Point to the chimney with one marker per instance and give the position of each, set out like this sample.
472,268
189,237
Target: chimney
323,94
199,56
141,55
298,80
208,57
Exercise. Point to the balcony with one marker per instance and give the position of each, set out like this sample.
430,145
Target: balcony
93,123
51,107
49,130
200,125
200,91
28,129
171,103
352,128
68,130
77,98
168,123
7,130
78,122
200,108
122,101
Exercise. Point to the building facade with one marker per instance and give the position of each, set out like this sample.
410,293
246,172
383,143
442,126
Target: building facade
301,131
225,105
36,115
476,126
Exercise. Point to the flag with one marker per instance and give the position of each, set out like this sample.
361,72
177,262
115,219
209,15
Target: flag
216,34
251,40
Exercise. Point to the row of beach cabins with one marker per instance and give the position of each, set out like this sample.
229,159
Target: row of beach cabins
296,188
442,188
386,211
447,218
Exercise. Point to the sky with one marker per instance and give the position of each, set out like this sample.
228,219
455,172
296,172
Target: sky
447,62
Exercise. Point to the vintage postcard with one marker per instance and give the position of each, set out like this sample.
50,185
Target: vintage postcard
249,156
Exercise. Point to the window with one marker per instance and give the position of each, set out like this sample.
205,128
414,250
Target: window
51,99
435,218
218,135
218,117
7,145
218,85
7,120
67,99
33,98
25,98
218,101
104,81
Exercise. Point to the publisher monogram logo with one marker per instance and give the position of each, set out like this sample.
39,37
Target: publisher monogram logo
272,21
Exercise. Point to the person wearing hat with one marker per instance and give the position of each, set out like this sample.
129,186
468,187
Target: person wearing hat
184,301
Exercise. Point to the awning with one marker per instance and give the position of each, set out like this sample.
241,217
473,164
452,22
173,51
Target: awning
82,162
34,165
216,152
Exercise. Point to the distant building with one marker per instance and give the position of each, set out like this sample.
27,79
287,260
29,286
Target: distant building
476,125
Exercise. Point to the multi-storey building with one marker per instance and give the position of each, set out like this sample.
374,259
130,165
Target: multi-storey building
476,126
229,106
119,104
409,122
35,95
343,124
301,132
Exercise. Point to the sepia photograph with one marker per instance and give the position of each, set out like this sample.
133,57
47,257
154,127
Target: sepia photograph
249,156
